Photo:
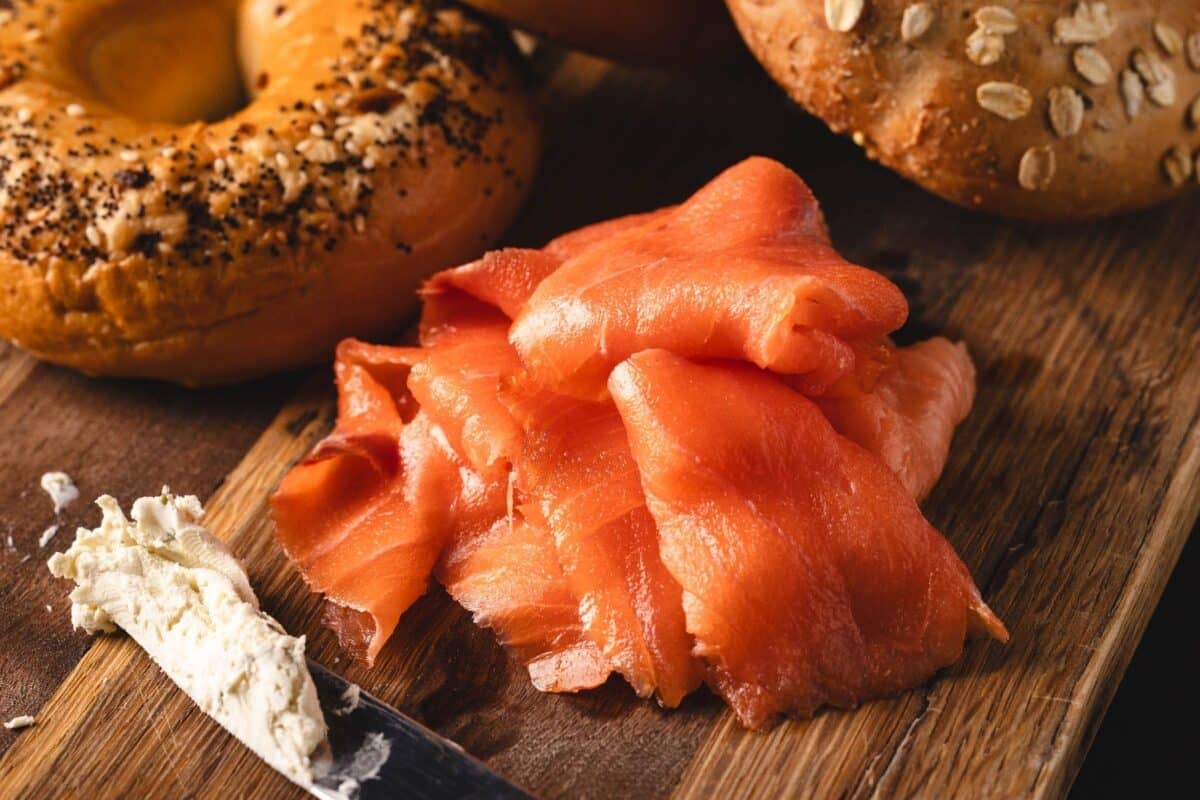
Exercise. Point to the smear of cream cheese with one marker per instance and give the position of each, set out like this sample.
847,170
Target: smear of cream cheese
351,698
183,596
370,757
47,535
16,723
61,489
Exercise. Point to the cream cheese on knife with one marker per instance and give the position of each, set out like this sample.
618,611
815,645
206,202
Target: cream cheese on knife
183,596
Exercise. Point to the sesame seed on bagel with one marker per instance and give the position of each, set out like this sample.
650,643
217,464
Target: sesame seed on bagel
206,191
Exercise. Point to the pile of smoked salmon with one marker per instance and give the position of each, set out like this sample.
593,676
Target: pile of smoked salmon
676,446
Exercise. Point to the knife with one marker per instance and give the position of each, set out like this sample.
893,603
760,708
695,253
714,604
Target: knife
378,753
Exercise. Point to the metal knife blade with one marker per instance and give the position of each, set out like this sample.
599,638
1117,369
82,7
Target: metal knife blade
402,757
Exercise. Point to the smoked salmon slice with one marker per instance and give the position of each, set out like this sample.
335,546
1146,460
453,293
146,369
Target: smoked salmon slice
572,244
810,577
458,381
504,279
500,562
415,476
508,576
742,270
603,538
908,414
381,503
362,516
575,467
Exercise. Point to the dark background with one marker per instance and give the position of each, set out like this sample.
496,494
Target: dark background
1149,741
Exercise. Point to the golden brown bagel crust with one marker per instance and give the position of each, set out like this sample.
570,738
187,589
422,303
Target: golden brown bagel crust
386,139
672,33
914,105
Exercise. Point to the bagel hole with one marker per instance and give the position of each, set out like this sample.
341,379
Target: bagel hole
175,62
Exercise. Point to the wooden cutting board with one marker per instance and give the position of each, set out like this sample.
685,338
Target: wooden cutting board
1069,493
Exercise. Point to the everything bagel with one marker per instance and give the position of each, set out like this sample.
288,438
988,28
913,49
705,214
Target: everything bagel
206,191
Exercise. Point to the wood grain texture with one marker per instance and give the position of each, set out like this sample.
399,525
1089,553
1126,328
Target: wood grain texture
1070,491
15,366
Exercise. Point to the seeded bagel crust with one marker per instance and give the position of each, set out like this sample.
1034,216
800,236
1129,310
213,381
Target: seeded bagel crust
1049,110
384,139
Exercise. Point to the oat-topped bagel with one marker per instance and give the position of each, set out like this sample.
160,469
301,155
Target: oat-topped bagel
376,141
1042,110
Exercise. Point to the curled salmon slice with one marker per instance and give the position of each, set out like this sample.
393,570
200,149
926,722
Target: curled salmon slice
500,564
504,279
742,270
457,383
415,477
507,575
809,575
572,244
629,606
908,413
335,511
576,469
